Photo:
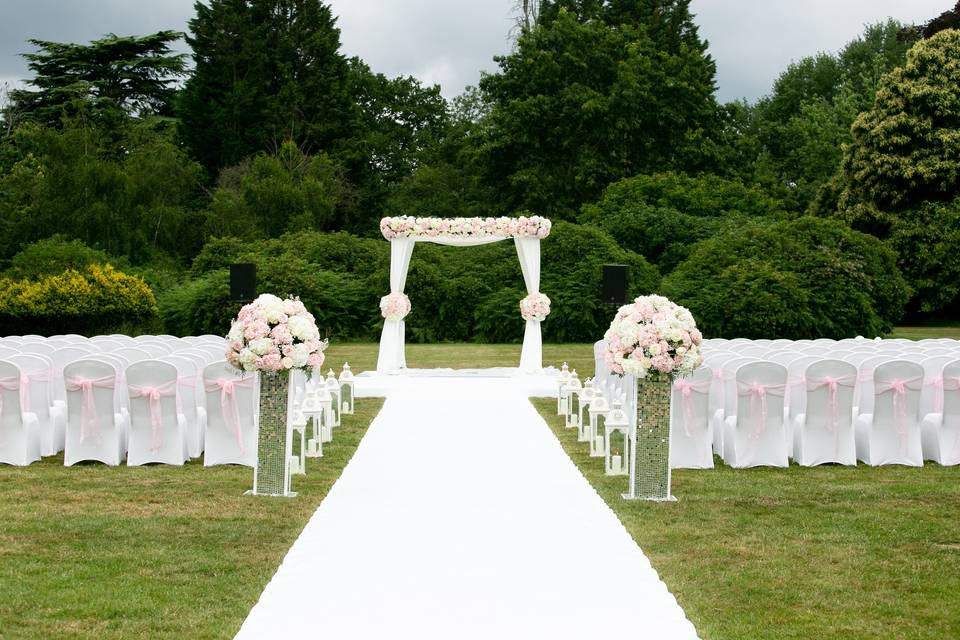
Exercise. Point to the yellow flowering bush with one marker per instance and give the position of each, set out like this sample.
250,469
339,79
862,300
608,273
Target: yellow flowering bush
98,299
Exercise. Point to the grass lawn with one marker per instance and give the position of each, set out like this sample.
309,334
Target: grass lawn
148,552
166,552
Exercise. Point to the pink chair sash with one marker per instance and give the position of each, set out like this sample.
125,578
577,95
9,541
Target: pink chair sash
899,389
228,402
153,395
686,390
88,408
833,384
758,392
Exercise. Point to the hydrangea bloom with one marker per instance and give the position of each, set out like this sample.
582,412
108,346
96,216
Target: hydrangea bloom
271,334
395,306
653,336
535,306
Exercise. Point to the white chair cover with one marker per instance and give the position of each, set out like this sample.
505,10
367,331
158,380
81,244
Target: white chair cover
231,399
691,431
940,430
95,429
157,428
37,379
823,432
192,401
756,435
890,434
20,437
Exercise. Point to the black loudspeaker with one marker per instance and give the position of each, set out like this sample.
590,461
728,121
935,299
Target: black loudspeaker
243,282
615,283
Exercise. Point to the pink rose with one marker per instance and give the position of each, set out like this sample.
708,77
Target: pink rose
282,334
315,360
663,363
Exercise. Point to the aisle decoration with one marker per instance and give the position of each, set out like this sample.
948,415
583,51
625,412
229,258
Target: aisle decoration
273,336
535,306
395,306
655,341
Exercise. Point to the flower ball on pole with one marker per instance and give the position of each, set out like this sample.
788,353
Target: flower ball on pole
272,336
655,341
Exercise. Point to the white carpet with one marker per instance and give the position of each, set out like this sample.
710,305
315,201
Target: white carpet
460,516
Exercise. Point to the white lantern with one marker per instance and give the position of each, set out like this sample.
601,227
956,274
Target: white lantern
586,398
574,388
562,390
616,441
334,388
298,424
598,416
346,390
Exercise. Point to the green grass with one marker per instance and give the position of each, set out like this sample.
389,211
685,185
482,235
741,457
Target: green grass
148,552
165,552
921,333
827,552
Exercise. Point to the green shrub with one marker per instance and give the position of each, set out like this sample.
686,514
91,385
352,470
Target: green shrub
98,299
662,216
52,256
808,278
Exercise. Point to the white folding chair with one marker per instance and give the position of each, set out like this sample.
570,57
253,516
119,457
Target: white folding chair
865,371
723,396
37,379
20,435
940,428
133,354
37,347
95,429
8,351
157,428
890,432
691,434
753,351
155,349
823,432
231,399
755,435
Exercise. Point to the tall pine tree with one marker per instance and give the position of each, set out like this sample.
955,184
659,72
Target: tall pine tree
266,71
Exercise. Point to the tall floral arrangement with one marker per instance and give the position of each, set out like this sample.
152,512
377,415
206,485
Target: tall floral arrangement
271,334
414,227
653,337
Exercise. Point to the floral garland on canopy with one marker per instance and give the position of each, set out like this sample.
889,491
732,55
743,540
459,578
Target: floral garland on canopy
394,306
535,306
653,337
414,227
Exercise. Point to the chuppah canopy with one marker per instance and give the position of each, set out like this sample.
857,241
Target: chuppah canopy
403,232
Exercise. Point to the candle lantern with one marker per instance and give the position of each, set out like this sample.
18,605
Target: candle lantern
334,388
562,390
298,424
346,390
599,409
324,417
587,394
616,441
574,388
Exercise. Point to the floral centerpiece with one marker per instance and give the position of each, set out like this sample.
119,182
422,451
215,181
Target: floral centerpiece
271,334
394,306
414,227
653,337
654,340
535,306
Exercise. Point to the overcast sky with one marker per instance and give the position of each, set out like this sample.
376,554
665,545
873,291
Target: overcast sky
449,42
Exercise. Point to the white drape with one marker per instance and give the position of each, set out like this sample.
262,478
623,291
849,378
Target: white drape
531,356
392,355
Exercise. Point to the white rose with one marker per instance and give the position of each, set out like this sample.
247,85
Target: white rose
654,349
247,358
300,355
287,362
299,327
236,332
261,346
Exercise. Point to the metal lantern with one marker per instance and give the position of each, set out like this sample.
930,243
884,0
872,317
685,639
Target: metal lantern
586,398
598,416
346,390
562,390
325,415
616,441
334,388
574,388
298,424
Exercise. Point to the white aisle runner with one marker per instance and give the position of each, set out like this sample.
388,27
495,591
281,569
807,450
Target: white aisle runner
460,516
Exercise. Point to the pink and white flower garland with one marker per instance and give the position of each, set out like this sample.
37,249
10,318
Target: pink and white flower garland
535,306
271,334
653,336
413,227
394,306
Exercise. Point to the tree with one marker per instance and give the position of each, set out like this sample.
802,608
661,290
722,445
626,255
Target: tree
266,71
594,93
949,19
906,149
117,74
